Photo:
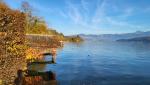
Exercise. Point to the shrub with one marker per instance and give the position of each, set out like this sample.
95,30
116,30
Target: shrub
12,29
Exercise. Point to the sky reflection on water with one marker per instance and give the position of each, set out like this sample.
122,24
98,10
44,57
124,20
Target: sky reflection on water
105,63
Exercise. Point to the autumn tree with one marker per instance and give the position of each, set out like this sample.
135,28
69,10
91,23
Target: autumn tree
35,25
12,29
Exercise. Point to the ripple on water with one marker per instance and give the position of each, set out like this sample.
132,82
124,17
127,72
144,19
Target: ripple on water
104,63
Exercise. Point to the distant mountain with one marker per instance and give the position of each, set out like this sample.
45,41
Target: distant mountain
114,37
142,39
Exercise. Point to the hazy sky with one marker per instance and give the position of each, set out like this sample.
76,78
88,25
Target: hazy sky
91,16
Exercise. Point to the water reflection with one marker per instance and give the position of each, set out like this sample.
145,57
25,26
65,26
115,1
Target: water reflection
96,63
31,77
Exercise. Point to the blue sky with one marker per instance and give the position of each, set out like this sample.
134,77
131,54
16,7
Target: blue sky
91,16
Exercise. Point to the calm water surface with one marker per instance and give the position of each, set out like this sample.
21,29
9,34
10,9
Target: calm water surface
101,63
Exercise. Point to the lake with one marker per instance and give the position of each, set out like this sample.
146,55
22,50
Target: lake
101,63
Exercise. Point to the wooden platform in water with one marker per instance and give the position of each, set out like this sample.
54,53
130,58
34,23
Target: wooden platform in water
47,54
41,62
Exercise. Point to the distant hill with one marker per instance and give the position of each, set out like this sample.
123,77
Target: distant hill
141,39
114,37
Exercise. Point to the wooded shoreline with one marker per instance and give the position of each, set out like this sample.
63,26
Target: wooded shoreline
22,36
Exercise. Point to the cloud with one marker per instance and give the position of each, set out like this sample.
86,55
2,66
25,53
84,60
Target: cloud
40,8
105,13
75,14
120,20
99,13
62,13
99,17
85,5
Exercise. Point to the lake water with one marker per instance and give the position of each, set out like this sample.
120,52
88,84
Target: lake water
101,63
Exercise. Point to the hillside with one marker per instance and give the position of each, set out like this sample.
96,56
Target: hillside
137,39
114,37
